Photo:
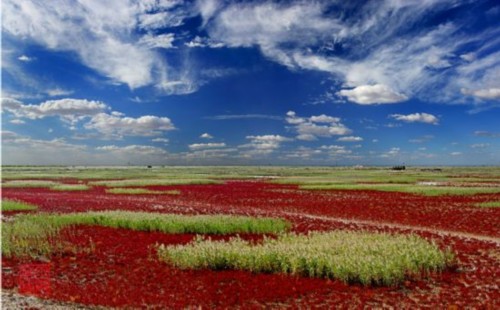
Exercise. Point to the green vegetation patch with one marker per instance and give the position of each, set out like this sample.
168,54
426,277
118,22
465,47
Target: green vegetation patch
36,235
488,204
361,257
70,187
140,191
11,205
28,184
414,189
152,182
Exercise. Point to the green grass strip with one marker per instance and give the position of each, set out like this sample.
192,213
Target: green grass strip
488,204
28,184
414,189
140,191
35,235
361,257
152,182
70,187
11,205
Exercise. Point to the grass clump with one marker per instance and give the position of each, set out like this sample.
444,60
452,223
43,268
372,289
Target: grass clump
35,235
29,184
11,205
488,204
140,191
361,257
70,187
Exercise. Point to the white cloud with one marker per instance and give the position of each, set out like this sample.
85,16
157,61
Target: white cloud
116,125
204,42
264,144
487,94
456,153
206,136
480,145
68,109
160,140
469,56
372,94
183,86
101,34
202,146
336,150
421,139
488,134
304,35
416,118
393,152
159,41
208,154
25,58
303,153
350,139
17,122
309,129
134,149
56,92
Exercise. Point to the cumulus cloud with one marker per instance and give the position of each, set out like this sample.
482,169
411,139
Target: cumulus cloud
67,109
350,139
202,146
372,94
116,125
263,144
310,128
206,135
416,118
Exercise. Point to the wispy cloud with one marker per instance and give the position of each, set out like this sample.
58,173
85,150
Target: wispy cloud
488,134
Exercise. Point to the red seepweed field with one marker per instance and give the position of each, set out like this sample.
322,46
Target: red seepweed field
119,267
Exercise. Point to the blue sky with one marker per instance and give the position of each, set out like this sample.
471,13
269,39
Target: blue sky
251,82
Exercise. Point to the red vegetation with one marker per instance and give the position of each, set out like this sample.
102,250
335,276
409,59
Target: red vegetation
119,266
